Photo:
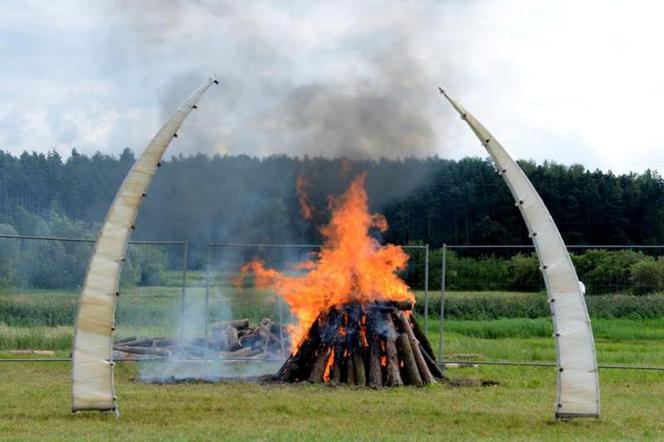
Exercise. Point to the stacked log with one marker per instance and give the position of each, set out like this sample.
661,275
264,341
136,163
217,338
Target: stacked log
377,344
228,340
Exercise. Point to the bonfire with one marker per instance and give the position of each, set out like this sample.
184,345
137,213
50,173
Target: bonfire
354,321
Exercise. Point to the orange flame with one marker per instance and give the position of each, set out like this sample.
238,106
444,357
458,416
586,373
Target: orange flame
305,206
350,267
328,367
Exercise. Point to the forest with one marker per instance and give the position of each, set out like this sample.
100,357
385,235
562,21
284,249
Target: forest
242,199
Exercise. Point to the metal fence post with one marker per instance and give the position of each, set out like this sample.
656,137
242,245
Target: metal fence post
281,326
441,338
207,296
185,259
426,290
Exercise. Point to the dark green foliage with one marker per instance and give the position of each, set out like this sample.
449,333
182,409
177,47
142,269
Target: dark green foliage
647,275
61,265
601,271
534,305
604,271
243,199
524,273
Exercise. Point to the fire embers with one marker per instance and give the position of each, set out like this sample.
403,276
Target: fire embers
376,344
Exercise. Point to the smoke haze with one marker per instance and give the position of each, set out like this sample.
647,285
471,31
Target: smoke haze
287,86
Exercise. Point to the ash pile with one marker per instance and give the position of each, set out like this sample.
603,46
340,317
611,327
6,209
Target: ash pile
235,339
377,344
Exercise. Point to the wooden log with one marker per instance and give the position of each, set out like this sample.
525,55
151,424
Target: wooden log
318,369
235,323
156,351
350,372
398,305
393,377
243,352
421,337
422,367
300,362
255,354
127,356
337,366
138,343
433,367
359,372
127,339
231,339
375,371
164,342
411,374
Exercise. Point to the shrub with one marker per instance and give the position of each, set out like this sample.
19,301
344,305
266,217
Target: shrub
535,305
524,273
647,276
604,271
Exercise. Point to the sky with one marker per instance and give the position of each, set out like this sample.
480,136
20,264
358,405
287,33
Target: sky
566,81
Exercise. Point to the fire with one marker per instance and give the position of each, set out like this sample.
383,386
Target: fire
306,208
351,266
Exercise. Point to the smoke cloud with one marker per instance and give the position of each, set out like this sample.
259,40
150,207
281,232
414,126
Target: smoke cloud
290,81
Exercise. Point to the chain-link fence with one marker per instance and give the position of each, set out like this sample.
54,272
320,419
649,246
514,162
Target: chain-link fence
493,302
40,282
490,293
226,298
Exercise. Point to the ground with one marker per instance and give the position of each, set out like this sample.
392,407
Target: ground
35,397
36,400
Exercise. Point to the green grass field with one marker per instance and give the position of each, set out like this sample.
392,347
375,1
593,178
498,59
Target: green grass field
35,405
34,397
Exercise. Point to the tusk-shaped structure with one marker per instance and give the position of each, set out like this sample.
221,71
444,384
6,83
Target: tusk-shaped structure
92,359
578,379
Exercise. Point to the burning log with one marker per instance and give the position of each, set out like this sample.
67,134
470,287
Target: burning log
393,375
368,345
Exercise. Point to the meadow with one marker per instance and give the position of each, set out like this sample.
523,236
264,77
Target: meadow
34,397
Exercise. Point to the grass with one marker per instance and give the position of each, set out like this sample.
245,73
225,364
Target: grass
34,398
36,401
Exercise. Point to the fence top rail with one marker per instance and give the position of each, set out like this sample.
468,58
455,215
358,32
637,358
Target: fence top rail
84,240
570,246
284,245
441,363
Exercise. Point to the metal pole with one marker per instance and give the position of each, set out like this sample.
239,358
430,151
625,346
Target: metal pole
441,338
185,259
426,290
207,297
281,326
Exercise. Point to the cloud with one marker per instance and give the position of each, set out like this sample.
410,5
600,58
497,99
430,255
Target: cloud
548,78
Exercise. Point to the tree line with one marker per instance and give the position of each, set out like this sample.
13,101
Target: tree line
431,200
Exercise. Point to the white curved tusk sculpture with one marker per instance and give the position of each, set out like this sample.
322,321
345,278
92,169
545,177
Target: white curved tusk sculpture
92,359
578,378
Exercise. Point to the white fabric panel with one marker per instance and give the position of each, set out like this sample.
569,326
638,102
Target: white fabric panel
92,366
578,380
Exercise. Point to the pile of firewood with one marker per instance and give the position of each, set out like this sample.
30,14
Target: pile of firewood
228,340
377,344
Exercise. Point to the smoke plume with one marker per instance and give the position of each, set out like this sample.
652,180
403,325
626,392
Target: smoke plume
358,92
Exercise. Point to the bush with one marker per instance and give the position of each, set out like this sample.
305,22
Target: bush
535,305
647,276
604,271
525,273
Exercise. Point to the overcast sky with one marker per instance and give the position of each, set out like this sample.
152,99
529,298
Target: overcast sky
573,82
